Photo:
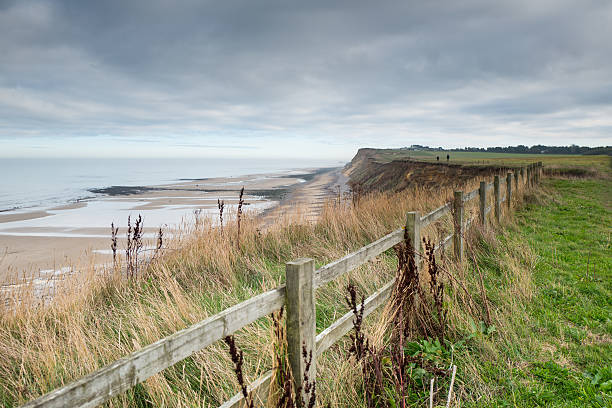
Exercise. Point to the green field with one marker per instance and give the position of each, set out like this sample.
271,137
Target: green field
599,162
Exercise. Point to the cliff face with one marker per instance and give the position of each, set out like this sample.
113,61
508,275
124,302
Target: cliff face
379,170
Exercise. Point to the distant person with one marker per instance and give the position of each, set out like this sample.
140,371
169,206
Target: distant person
447,157
438,158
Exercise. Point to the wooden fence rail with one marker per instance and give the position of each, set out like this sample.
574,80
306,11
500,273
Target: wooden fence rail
298,295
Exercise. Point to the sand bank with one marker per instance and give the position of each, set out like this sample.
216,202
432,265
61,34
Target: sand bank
78,234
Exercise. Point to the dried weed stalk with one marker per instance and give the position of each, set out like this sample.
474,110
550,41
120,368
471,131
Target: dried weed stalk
436,289
239,215
114,232
160,239
416,314
238,360
285,396
221,206
134,246
309,385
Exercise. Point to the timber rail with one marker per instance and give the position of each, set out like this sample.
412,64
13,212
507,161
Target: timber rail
297,295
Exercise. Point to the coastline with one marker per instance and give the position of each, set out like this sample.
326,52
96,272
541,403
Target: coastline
78,234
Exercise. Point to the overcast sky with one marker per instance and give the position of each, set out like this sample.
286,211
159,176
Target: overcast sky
304,78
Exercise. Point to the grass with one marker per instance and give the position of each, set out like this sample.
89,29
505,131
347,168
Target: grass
548,341
99,320
599,162
535,331
562,353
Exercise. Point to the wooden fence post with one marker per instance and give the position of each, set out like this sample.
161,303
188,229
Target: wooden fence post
497,197
413,228
301,320
540,171
458,224
523,176
516,188
509,189
529,176
483,203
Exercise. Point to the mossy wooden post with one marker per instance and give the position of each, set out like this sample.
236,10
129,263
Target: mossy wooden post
413,228
509,190
497,197
483,203
458,225
301,319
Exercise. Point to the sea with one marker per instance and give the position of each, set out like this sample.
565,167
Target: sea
40,183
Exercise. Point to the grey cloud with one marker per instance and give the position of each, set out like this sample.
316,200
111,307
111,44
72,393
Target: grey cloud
350,71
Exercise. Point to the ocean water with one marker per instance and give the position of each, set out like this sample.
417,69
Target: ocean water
32,183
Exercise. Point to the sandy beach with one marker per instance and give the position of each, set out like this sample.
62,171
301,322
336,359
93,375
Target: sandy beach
39,241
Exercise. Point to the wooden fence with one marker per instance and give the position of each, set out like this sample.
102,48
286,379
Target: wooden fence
298,295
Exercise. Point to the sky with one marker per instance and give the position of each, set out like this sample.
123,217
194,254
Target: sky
295,79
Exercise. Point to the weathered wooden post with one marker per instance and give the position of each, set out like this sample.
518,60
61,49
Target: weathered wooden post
529,175
458,224
413,228
509,189
523,176
483,203
540,171
516,187
497,198
301,319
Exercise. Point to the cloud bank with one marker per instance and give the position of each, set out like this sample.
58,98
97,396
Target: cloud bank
271,78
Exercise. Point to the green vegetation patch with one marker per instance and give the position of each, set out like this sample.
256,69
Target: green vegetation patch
564,355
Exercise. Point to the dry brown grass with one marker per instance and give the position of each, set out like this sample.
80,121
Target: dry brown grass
96,319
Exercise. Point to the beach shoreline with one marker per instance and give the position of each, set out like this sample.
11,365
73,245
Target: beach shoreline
77,234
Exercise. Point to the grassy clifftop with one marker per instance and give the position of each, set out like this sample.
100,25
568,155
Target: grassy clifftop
398,169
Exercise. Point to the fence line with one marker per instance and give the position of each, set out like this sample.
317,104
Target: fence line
299,297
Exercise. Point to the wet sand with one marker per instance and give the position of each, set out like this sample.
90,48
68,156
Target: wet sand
78,234
11,217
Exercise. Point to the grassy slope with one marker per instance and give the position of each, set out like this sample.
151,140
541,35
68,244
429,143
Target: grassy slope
549,340
564,355
102,321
